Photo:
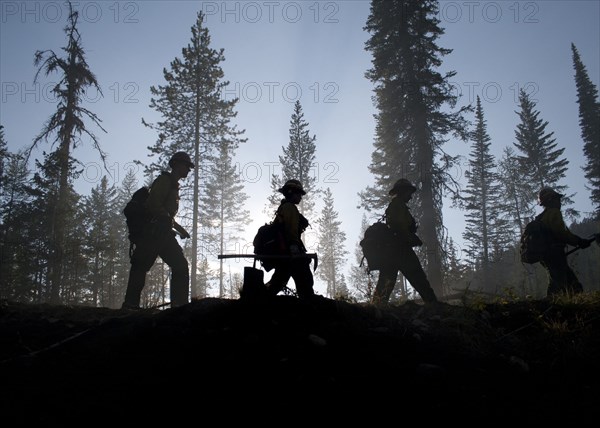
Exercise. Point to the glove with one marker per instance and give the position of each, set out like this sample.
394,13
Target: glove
184,234
584,243
294,250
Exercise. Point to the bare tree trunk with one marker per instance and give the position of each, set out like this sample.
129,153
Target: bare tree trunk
58,223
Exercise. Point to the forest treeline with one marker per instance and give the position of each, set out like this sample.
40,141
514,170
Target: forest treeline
60,246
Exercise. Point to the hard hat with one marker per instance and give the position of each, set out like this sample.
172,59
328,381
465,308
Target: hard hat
547,194
403,183
181,157
292,186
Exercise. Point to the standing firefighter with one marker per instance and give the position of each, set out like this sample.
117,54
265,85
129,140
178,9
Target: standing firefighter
403,226
561,277
293,225
158,236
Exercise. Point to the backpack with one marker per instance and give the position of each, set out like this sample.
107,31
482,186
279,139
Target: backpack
135,216
377,246
269,241
534,241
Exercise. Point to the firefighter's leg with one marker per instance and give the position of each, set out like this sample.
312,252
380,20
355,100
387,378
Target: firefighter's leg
280,278
573,284
142,259
413,271
557,268
385,285
303,278
135,285
172,254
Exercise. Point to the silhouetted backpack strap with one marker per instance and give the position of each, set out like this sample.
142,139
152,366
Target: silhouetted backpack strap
135,216
535,241
378,246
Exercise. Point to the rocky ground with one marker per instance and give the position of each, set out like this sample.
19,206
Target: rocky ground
519,362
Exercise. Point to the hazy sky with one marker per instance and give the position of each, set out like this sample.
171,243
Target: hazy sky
277,52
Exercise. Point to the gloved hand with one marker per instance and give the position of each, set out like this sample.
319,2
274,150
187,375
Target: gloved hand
294,250
184,234
584,243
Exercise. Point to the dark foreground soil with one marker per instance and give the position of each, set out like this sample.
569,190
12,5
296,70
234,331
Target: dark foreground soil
521,363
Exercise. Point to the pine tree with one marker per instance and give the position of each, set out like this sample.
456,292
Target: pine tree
483,195
455,269
15,216
66,125
75,290
589,121
101,247
342,292
44,189
205,273
331,244
196,118
4,158
540,162
413,121
517,190
128,186
297,162
224,201
361,282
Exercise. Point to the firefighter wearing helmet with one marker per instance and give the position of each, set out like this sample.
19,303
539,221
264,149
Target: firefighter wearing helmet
159,237
403,226
293,225
561,278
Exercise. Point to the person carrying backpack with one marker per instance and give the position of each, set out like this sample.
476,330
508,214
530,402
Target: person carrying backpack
294,225
561,277
404,228
158,236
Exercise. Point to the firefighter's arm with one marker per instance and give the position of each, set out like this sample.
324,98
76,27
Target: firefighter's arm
559,229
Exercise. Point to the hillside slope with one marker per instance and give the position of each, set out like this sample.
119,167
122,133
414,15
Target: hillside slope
535,361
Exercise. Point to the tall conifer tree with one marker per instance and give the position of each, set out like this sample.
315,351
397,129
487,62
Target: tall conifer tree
541,162
413,121
297,162
4,157
224,201
331,240
483,196
100,210
66,125
45,188
589,121
519,205
18,249
196,118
